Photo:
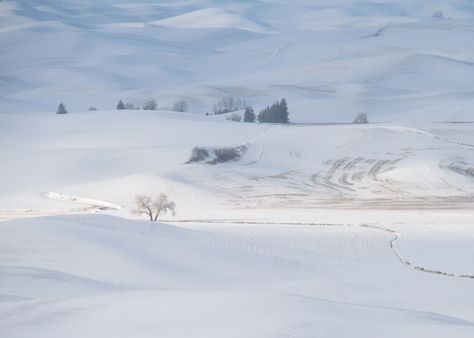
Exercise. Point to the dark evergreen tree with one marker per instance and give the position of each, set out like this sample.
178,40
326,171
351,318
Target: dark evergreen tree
283,111
61,109
277,113
249,115
120,105
263,116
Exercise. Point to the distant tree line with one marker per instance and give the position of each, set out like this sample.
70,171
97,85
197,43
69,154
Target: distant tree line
178,106
276,113
149,105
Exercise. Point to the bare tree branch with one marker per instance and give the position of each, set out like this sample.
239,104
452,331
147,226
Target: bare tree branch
153,208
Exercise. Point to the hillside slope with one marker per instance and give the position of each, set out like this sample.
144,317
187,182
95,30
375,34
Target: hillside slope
93,160
101,276
395,60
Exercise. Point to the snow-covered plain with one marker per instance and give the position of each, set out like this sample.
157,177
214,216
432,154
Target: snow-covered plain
318,230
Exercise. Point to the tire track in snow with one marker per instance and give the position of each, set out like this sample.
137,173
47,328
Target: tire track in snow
428,134
395,237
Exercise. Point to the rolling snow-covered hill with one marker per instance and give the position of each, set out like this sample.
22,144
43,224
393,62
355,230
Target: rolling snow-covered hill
395,60
62,162
317,228
102,276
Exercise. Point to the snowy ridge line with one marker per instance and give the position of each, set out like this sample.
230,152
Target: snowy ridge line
396,237
102,205
93,206
6,215
425,133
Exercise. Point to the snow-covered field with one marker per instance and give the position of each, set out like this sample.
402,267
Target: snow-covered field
319,229
100,276
103,159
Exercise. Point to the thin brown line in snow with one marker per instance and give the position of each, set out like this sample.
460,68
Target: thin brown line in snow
396,237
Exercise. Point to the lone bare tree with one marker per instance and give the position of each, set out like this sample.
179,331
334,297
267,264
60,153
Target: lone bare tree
361,119
150,105
180,106
154,207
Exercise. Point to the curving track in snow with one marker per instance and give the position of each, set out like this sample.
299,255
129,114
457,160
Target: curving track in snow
391,243
102,276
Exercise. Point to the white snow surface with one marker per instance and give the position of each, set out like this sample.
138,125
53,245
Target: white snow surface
394,60
320,229
317,231
101,276
102,159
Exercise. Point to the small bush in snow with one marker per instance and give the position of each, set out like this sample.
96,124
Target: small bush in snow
234,117
150,105
180,106
61,109
92,109
226,155
361,119
216,155
198,155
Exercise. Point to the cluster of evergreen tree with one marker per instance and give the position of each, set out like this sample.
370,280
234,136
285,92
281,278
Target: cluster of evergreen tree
276,113
249,115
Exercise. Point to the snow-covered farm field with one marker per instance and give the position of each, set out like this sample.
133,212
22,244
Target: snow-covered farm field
101,276
316,229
